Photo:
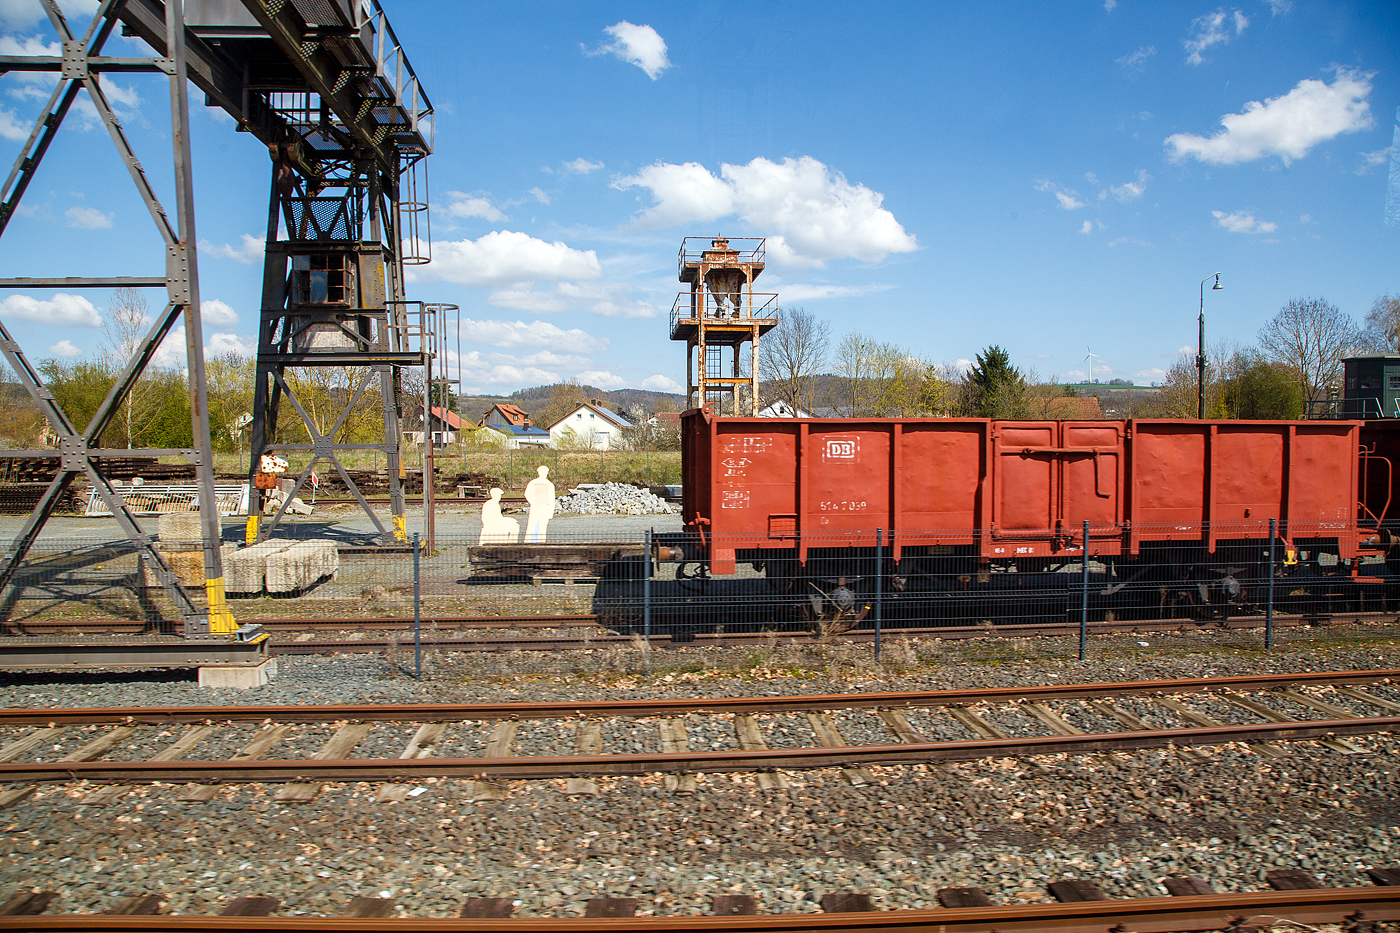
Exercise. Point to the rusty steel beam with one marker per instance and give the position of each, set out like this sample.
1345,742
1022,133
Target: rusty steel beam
596,709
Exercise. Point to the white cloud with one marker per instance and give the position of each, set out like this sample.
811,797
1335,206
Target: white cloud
10,127
250,249
802,292
65,348
480,372
1287,126
637,45
1370,160
1069,200
228,343
621,307
1136,61
460,204
1279,7
59,311
1243,222
601,379
20,14
660,383
171,352
579,166
684,194
505,257
216,313
537,334
1150,376
1087,227
29,45
1110,5
814,212
528,299
1130,190
88,218
1209,30
539,194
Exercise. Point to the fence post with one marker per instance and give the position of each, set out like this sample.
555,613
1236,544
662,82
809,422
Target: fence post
646,600
510,481
417,617
600,466
1269,609
879,584
1084,598
648,468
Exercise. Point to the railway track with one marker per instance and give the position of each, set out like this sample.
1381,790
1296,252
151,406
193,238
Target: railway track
444,631
1081,908
475,741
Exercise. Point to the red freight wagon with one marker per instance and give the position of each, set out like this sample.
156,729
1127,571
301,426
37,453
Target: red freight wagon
1013,489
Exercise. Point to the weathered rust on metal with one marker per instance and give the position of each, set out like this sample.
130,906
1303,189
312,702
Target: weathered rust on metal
1142,915
452,712
373,769
1012,489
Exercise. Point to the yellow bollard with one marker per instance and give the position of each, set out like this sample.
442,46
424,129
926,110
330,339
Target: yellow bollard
221,620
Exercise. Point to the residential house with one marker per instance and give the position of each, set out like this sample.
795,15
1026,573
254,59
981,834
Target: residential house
511,424
589,425
445,425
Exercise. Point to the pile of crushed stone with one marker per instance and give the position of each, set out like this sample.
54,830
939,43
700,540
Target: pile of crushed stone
615,498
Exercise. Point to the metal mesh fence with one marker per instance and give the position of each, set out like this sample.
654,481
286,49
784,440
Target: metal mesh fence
685,602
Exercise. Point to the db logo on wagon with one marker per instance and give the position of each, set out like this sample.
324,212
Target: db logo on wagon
841,447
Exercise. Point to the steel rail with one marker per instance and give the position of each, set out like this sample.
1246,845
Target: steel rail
796,636
607,709
1142,915
343,623
799,759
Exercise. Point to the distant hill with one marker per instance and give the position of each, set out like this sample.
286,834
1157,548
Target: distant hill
534,399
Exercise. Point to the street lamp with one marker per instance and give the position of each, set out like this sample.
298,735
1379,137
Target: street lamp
1201,347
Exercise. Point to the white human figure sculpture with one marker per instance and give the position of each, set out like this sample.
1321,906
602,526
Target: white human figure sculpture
539,492
495,527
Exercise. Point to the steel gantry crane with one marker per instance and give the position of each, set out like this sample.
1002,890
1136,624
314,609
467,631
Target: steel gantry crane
327,88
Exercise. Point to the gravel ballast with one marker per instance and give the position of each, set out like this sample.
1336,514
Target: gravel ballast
1007,826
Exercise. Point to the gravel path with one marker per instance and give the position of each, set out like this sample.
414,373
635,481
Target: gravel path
1006,826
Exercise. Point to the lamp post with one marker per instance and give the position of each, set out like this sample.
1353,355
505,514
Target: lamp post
1201,347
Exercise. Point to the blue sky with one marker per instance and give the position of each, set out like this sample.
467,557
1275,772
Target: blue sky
1048,177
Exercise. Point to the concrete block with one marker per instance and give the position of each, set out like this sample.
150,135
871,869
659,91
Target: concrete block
301,565
238,676
188,566
246,568
179,528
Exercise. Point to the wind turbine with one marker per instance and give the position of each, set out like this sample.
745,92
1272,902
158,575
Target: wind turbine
1090,358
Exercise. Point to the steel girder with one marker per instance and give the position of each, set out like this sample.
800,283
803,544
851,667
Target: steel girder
78,68
378,348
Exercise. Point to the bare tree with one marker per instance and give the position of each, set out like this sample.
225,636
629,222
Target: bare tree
563,399
855,361
1383,324
1311,336
792,354
122,332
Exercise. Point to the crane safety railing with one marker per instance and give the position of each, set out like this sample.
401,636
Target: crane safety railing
741,250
